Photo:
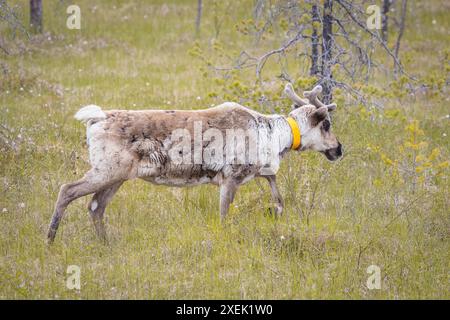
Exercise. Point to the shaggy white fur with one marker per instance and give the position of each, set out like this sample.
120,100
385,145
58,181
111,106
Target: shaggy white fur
90,112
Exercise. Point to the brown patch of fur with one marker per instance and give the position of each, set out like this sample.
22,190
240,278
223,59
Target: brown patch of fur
145,130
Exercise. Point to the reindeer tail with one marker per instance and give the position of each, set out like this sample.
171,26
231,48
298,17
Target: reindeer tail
90,112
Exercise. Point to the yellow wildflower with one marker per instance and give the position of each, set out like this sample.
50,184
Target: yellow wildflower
420,158
443,165
378,183
434,154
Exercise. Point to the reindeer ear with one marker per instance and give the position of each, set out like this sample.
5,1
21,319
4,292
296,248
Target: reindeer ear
331,107
318,116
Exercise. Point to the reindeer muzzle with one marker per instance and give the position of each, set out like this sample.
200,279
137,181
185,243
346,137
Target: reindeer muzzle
334,153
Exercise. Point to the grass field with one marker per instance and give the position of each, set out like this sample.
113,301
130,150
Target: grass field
386,203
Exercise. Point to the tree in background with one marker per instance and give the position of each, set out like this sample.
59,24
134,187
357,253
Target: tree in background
36,15
327,50
401,29
384,20
199,16
330,37
314,40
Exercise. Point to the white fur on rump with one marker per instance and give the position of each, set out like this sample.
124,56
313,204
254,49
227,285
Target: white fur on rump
90,112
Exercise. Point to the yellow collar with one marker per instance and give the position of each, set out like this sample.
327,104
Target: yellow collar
296,135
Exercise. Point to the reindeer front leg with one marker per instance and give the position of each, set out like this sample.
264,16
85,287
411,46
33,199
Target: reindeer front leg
276,196
227,191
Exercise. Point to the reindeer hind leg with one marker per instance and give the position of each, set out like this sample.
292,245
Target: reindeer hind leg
68,193
98,205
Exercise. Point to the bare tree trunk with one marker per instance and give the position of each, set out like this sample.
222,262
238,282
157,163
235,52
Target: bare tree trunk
327,46
258,8
199,16
401,29
36,15
384,19
314,41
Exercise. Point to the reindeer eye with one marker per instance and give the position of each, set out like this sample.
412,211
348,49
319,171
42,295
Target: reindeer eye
326,125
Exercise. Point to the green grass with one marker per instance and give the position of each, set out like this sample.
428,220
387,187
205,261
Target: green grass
165,242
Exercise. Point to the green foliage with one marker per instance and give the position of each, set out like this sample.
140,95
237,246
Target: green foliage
413,165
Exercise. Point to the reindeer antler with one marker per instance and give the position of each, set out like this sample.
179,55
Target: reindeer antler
312,97
290,93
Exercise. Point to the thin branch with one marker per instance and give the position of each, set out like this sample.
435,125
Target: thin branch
263,59
376,36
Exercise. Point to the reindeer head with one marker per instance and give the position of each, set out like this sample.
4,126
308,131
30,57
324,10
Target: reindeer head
314,121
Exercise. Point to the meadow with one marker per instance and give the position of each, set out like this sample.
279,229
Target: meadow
385,203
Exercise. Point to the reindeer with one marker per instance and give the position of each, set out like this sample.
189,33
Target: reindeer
129,144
